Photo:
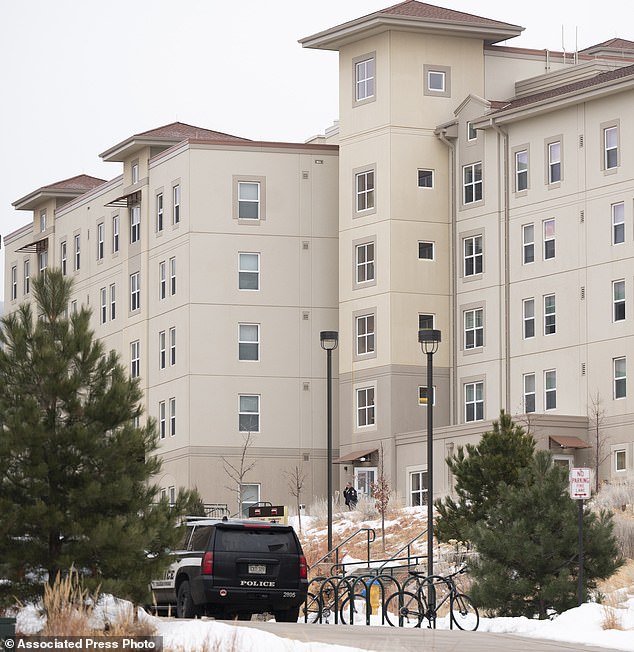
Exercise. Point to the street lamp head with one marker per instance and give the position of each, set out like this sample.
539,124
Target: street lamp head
429,340
329,340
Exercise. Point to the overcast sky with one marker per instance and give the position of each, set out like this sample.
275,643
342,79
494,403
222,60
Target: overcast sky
78,76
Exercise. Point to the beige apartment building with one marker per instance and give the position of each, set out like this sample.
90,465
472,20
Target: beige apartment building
470,186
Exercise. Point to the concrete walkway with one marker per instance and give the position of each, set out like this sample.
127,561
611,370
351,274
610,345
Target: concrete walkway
395,639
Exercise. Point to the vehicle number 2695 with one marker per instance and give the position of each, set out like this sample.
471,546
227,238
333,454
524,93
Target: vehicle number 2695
289,594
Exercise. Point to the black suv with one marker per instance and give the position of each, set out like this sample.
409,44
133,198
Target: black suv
233,569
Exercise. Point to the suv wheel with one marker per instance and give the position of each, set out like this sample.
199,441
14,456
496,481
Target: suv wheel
185,607
287,616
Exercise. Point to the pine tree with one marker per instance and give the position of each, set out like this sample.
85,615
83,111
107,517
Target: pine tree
75,469
528,562
478,470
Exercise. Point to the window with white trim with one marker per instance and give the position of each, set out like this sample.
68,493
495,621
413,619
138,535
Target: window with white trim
364,261
162,280
113,301
249,496
159,212
521,170
473,328
135,291
474,401
103,306
436,81
425,178
611,147
135,224
63,257
618,300
554,162
426,250
364,79
249,342
77,242
472,183
135,172
135,359
528,316
162,420
364,188
425,322
528,244
529,393
549,239
14,282
115,234
101,238
365,334
550,315
249,200
249,413
620,377
173,417
42,261
249,271
162,350
176,204
27,276
365,407
472,247
618,223
550,389
43,221
472,132
418,488
173,275
172,346
620,460
423,395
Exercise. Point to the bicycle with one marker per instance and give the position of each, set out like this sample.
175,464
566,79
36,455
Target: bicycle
328,600
408,608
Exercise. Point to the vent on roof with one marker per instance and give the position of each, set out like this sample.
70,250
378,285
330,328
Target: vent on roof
582,216
583,368
583,293
580,140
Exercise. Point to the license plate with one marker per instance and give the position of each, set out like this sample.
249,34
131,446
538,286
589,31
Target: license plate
257,569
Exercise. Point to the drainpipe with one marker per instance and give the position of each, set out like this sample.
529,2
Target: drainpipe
505,366
442,136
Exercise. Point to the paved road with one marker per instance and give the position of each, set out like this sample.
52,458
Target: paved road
390,639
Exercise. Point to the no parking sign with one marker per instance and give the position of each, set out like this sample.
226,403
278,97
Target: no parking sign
580,484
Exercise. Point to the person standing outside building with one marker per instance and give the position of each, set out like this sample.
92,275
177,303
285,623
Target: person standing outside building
350,496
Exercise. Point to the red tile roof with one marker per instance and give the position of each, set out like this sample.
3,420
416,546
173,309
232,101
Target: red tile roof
182,131
80,183
611,44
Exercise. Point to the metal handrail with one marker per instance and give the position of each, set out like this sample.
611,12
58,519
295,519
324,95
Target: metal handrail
369,532
407,546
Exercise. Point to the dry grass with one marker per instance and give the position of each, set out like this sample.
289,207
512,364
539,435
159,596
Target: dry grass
611,614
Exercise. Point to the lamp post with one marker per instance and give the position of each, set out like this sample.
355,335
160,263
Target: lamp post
329,341
429,340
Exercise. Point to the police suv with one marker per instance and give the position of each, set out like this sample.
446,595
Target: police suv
233,569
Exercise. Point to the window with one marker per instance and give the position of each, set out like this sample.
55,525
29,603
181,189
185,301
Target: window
14,282
173,276
472,132
249,271
135,172
249,413
42,261
423,395
550,389
618,223
42,221
101,236
425,178
521,170
620,378
103,306
73,307
364,183
472,183
172,417
474,401
162,420
554,162
473,255
425,322
162,279
135,359
113,301
620,460
365,334
135,291
436,81
135,224
365,407
62,257
115,234
364,79
248,200
473,329
528,309
426,251
249,342
249,496
618,300
528,243
549,239
529,393
550,315
159,212
176,204
162,350
364,256
172,346
418,488
611,145
77,252
27,276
